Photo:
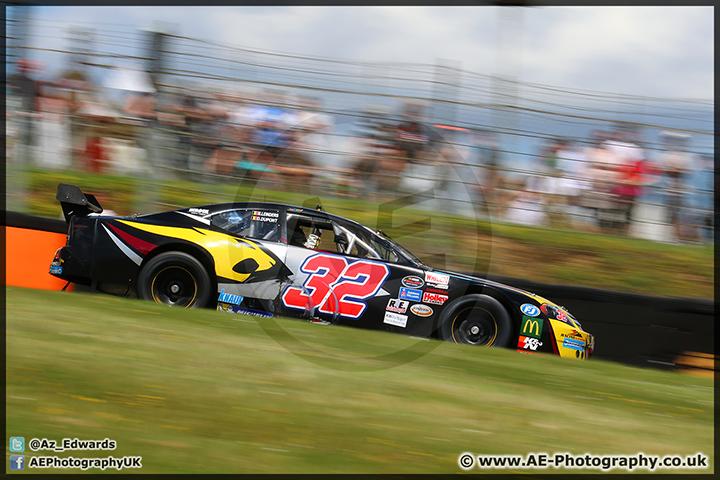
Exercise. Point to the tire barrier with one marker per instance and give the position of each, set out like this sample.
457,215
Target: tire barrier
30,243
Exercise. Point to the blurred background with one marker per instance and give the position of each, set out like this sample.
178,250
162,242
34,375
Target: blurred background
485,169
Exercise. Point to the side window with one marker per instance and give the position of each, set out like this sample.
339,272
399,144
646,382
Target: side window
256,224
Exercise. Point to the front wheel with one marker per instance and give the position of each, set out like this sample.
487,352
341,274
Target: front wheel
476,320
175,279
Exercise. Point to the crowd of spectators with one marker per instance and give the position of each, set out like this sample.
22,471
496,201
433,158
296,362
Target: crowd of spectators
608,182
611,183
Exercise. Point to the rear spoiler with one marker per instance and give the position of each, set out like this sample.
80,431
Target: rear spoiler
75,203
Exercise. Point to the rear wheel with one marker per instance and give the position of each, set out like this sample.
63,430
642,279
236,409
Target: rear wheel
476,320
175,279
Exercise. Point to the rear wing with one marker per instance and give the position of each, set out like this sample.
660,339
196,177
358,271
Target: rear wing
75,203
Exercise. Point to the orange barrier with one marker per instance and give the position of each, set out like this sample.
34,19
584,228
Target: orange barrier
28,254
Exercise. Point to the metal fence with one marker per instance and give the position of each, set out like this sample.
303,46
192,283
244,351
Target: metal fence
167,107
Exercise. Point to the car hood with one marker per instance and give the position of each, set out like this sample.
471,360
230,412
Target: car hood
503,286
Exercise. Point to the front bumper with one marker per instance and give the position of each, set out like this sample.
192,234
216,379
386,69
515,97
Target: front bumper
572,342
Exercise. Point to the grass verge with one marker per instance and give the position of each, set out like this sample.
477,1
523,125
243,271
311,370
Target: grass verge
209,392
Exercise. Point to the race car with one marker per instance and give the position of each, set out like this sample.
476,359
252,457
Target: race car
268,259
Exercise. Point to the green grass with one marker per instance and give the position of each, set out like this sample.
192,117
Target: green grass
445,241
211,392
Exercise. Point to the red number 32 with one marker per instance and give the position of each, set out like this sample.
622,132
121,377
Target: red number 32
350,281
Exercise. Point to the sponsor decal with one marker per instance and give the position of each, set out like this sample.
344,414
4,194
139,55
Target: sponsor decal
56,270
199,211
574,344
294,209
421,310
572,334
531,326
256,218
395,319
412,281
229,298
529,343
351,282
436,279
435,298
244,311
410,294
397,305
259,213
442,291
530,310
262,216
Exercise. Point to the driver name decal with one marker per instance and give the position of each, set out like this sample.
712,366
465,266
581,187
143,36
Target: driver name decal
336,284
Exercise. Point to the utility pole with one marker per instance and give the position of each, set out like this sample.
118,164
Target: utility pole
448,76
508,64
16,166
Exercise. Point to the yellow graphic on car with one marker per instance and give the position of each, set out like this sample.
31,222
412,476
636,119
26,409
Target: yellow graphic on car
235,259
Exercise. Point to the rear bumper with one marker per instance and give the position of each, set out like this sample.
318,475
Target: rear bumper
65,266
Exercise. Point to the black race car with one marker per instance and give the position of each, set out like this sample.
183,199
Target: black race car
272,259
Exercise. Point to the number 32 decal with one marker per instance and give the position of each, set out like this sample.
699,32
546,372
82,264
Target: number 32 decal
351,281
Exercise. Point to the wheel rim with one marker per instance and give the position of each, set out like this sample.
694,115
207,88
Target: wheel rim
474,326
174,286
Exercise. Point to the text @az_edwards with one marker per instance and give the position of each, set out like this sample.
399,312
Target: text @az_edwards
38,444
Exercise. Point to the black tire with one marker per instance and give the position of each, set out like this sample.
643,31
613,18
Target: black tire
476,320
175,279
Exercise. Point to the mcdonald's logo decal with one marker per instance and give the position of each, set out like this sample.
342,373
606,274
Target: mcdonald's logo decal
531,326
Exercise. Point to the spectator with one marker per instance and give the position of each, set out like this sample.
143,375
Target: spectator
678,163
373,138
700,198
602,174
170,121
571,165
412,135
139,111
53,141
527,207
272,123
231,136
551,183
26,89
312,131
631,164
391,167
486,159
201,138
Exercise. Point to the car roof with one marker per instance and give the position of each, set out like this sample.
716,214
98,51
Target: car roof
221,207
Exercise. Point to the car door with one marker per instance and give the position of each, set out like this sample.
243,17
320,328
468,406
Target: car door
347,275
254,259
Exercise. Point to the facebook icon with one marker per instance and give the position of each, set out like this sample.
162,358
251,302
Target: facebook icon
17,462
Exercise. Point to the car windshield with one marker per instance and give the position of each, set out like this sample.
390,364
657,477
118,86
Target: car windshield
392,244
